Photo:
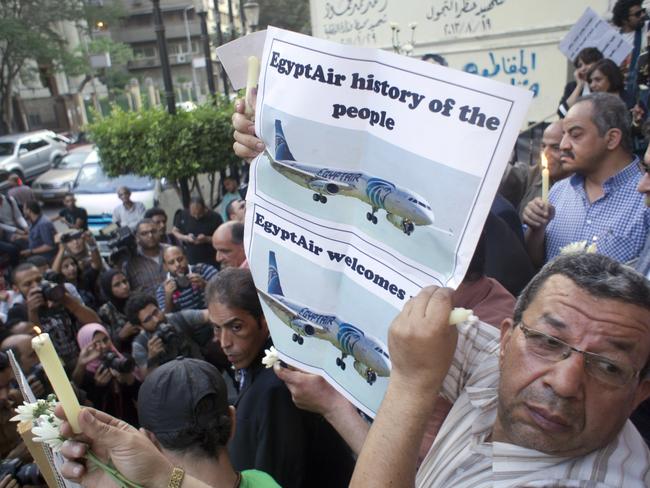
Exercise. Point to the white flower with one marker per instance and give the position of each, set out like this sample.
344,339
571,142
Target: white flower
47,431
394,25
459,315
32,411
270,357
580,246
413,25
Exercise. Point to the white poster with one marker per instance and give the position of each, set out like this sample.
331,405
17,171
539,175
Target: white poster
378,175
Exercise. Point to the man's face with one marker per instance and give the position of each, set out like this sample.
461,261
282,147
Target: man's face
76,245
558,407
124,195
148,236
230,185
598,82
583,149
29,215
6,375
551,147
28,279
238,211
150,317
197,210
176,262
69,202
161,224
23,344
228,254
241,335
644,183
636,16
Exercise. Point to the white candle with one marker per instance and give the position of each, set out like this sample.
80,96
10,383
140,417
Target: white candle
251,82
545,177
42,345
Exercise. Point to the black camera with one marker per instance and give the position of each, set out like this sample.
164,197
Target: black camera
25,474
70,236
166,333
52,286
122,244
38,373
125,364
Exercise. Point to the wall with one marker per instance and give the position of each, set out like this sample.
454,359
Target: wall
514,41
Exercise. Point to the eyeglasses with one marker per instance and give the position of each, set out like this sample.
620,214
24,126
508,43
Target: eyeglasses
599,367
638,13
643,167
147,232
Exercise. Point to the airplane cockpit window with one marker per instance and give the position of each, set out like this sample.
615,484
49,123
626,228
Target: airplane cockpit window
381,351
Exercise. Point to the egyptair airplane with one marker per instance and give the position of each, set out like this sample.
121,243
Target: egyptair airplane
404,208
370,357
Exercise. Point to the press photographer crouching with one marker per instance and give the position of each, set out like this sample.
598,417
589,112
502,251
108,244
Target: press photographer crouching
106,375
51,307
166,336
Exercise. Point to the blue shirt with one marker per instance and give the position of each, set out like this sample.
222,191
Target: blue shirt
188,298
617,222
42,232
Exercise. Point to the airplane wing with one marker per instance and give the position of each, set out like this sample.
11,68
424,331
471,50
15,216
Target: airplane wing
282,310
307,176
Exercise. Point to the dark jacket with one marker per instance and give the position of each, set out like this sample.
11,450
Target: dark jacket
296,447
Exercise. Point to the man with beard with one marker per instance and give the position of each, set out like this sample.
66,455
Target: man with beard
145,270
599,204
164,337
543,402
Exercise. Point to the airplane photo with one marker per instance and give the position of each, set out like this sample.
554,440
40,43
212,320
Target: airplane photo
370,357
404,209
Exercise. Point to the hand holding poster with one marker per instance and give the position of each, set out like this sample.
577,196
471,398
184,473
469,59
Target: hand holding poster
378,175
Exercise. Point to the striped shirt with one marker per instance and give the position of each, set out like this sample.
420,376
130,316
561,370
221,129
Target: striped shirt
461,457
618,222
188,298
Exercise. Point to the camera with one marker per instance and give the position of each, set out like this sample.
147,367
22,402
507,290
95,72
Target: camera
52,286
110,360
121,242
38,373
70,236
25,474
166,333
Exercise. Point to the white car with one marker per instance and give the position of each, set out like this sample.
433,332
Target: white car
97,193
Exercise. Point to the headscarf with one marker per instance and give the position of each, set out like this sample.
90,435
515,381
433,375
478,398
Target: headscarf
85,337
106,283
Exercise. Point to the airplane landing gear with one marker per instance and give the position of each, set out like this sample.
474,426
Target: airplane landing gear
298,339
371,376
319,198
371,216
340,362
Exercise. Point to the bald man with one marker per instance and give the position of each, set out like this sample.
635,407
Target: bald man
228,242
551,149
184,285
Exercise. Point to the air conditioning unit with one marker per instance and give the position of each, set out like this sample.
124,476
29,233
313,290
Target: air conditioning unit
180,58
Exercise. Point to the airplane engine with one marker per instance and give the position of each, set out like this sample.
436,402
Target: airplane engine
320,186
302,327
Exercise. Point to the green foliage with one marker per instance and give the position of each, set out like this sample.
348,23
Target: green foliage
153,143
287,14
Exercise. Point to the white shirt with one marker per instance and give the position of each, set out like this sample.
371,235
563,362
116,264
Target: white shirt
129,217
460,456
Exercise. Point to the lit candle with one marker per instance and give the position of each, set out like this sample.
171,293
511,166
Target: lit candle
545,176
251,82
44,349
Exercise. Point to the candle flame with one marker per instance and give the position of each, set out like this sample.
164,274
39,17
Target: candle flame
544,161
37,330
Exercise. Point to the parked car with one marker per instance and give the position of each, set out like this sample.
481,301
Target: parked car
55,183
97,193
30,154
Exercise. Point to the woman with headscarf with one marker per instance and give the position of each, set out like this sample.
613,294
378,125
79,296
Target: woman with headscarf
115,287
106,375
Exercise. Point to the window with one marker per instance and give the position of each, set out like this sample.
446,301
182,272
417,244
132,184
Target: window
144,52
37,144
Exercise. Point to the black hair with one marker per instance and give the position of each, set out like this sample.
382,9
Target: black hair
612,72
588,55
234,287
231,204
197,201
143,222
33,206
621,11
155,211
237,233
20,268
135,303
434,57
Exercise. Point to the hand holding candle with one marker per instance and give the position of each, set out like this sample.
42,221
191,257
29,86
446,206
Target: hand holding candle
44,349
251,83
545,178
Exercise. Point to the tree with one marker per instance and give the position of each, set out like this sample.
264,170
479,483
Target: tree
154,143
287,14
30,43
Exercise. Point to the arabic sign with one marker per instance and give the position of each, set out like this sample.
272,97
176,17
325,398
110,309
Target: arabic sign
351,209
593,31
515,66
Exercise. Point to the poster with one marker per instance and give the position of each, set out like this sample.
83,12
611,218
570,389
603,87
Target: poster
378,174
593,31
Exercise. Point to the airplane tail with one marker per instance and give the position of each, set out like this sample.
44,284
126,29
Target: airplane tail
274,278
282,152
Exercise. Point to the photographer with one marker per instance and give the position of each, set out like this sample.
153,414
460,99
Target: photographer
116,290
184,287
106,375
72,273
165,337
81,246
145,269
21,345
53,309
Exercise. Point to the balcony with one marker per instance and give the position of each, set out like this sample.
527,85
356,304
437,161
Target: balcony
174,60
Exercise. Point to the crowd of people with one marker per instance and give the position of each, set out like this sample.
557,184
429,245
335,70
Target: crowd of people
164,345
